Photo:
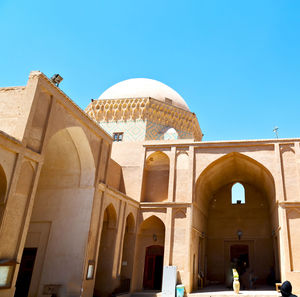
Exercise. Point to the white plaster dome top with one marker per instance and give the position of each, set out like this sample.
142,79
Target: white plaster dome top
144,87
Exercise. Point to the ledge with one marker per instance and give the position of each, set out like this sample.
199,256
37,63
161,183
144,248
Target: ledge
288,204
164,204
225,143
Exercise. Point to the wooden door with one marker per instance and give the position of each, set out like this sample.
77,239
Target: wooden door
153,267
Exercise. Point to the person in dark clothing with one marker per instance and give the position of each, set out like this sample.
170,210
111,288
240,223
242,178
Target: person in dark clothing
286,290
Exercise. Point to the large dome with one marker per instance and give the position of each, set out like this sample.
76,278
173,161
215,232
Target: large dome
144,87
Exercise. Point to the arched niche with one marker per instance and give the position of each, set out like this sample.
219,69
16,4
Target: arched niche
178,248
235,232
69,161
151,233
104,284
110,217
64,200
127,254
156,178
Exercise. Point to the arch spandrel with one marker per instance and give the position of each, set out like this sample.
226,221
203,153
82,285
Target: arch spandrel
234,167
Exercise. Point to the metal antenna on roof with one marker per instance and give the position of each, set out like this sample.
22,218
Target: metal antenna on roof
275,130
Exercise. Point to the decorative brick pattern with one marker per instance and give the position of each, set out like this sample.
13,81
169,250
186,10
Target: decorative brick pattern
156,131
133,130
144,119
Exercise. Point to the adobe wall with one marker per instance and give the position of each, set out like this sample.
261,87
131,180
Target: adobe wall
281,160
64,203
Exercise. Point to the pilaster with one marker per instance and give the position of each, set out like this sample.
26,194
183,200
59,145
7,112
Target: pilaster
172,177
168,237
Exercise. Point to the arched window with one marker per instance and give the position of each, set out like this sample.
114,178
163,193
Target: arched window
171,134
238,194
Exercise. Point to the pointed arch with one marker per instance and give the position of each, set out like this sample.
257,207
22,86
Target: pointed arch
231,168
86,158
130,223
153,220
151,233
69,160
64,198
104,283
220,220
127,254
110,216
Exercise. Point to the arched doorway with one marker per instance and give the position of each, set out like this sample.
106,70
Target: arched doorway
237,230
103,282
149,255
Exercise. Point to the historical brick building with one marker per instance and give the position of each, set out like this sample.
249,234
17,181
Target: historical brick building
86,215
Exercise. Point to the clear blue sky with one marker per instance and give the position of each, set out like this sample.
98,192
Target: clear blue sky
236,63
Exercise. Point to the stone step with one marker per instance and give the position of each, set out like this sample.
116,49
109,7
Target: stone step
229,293
146,294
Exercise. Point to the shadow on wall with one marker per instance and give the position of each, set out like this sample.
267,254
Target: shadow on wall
104,281
64,199
156,178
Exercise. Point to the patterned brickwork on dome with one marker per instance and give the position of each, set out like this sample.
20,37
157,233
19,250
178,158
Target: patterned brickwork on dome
184,122
133,130
156,131
118,110
158,115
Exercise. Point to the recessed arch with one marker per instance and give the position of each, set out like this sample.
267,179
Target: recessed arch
156,178
231,168
153,221
64,197
104,283
110,216
86,158
127,255
130,223
68,160
151,232
238,225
